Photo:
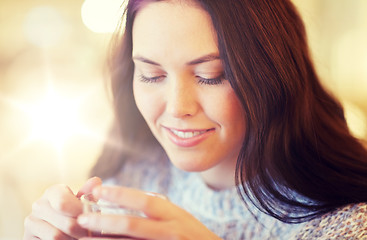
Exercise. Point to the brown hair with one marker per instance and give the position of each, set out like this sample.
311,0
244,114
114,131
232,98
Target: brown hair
298,159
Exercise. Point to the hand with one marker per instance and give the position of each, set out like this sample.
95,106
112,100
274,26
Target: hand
164,219
54,215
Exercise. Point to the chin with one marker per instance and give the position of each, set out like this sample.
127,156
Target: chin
189,164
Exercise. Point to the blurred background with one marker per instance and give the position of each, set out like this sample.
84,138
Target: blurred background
54,107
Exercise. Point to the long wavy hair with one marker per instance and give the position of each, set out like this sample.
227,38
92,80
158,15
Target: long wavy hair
298,159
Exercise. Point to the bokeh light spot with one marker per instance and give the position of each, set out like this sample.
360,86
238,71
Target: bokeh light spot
44,26
101,16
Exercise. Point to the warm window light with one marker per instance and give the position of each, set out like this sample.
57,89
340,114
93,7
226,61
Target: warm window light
101,16
54,119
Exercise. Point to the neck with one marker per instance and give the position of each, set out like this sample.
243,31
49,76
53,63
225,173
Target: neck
220,177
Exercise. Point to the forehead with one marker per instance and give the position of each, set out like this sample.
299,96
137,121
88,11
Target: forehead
171,26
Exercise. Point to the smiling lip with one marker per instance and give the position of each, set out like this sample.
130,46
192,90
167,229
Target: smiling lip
188,137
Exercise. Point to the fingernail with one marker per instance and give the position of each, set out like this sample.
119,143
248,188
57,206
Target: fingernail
83,220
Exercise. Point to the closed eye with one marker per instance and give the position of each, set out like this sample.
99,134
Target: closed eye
150,79
211,81
201,80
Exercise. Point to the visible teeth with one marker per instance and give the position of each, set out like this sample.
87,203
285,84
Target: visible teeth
187,134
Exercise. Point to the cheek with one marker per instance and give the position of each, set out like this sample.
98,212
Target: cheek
233,123
227,110
140,99
235,111
147,101
234,120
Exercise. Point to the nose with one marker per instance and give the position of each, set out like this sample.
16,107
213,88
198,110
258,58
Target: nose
181,97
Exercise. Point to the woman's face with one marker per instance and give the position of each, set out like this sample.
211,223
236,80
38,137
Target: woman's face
180,90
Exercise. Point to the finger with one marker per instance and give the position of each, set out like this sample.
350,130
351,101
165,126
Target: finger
106,238
30,238
27,237
153,206
117,225
27,234
89,185
43,211
63,200
39,229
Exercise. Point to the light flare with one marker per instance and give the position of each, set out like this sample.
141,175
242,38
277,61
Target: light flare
54,119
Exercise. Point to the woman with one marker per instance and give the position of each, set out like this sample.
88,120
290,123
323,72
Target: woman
219,108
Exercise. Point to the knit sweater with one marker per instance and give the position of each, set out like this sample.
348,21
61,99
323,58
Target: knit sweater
225,213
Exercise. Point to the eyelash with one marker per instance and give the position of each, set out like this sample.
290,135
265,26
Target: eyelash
201,80
211,81
149,79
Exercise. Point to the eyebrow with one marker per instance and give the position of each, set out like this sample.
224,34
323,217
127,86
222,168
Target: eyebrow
203,59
